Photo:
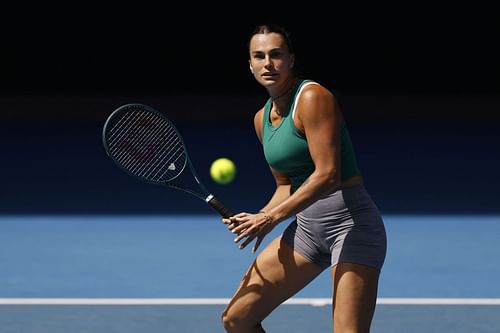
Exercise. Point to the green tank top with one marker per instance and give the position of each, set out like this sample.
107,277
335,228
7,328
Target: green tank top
285,148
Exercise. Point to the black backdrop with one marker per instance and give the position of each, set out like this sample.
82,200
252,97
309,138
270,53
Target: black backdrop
419,89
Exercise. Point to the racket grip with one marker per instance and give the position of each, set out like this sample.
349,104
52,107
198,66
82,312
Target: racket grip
219,206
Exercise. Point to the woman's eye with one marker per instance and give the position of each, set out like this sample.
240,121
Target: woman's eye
276,55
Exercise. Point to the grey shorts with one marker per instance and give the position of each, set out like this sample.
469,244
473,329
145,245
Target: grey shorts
344,226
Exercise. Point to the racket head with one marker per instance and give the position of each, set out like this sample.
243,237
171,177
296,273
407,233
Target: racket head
144,143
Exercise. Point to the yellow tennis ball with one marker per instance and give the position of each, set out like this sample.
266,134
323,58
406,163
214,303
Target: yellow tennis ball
223,170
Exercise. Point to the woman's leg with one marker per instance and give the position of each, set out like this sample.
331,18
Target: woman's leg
277,273
355,294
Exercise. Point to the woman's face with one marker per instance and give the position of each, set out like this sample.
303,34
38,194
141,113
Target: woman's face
270,61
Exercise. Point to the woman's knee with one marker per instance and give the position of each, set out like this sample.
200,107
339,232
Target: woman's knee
231,320
236,321
227,319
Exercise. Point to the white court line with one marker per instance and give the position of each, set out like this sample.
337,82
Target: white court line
223,301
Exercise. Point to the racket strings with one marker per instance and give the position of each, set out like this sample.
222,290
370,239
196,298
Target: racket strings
147,139
151,142
123,148
122,145
147,145
151,153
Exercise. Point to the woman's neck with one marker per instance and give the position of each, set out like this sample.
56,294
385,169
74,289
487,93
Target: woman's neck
285,93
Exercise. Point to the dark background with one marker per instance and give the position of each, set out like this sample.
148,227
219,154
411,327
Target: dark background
419,87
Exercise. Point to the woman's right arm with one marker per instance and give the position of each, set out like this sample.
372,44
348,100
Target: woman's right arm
283,184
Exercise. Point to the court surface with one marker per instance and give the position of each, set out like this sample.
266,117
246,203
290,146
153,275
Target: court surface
175,273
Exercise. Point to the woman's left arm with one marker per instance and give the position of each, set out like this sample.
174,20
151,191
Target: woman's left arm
319,118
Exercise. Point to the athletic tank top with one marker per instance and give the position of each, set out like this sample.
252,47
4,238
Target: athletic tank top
285,148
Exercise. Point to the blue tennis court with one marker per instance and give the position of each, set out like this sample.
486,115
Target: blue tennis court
174,273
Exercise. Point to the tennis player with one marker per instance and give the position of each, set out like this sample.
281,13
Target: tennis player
336,224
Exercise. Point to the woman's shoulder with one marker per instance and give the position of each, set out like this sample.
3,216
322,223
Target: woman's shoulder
257,121
312,90
259,114
314,99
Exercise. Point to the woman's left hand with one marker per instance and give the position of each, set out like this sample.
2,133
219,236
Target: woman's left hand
251,226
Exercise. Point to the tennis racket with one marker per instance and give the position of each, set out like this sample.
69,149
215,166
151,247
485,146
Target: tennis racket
145,144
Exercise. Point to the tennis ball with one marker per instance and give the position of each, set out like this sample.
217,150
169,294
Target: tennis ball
223,170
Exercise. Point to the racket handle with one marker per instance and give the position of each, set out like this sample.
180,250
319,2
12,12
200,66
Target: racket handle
219,206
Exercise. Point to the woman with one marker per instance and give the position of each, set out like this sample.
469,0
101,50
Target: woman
307,145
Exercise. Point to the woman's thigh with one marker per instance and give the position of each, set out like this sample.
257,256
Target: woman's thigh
277,273
355,294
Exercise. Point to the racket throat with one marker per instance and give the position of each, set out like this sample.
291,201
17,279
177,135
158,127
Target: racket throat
218,206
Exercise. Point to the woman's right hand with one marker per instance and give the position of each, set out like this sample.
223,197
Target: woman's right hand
250,226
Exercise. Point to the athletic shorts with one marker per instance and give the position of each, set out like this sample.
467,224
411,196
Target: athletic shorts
344,226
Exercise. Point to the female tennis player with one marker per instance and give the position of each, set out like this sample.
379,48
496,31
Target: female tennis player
336,224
